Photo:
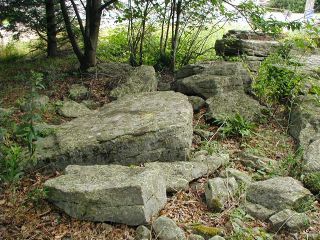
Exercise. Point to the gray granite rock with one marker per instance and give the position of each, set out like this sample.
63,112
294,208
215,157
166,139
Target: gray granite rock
195,237
143,233
289,220
211,78
166,229
240,176
312,157
279,193
72,109
39,102
114,193
197,103
258,211
226,105
178,175
140,128
218,191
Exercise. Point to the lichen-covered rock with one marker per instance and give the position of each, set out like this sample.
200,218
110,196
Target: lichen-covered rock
236,43
122,79
312,157
235,102
143,233
258,211
257,162
166,229
289,220
211,78
120,194
240,176
218,191
197,103
178,175
78,92
195,237
305,121
206,231
140,128
279,193
72,109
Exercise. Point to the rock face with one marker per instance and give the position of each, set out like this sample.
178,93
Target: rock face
279,193
218,191
289,220
124,79
72,109
166,229
141,128
211,78
236,102
112,193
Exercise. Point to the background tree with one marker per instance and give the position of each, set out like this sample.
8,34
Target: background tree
39,16
90,30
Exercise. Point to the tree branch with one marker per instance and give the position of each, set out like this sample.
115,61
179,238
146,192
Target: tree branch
78,17
107,4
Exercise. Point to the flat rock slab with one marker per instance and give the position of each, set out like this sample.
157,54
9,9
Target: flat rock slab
135,129
211,78
227,105
120,194
178,175
279,193
72,109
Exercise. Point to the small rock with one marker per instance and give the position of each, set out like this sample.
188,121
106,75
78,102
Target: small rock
289,220
240,176
6,111
257,162
39,102
166,229
197,103
218,191
195,237
279,193
258,211
217,238
73,109
142,233
164,86
78,92
199,153
206,231
204,134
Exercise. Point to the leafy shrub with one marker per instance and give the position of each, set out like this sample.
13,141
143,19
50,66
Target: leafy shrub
278,80
11,164
237,126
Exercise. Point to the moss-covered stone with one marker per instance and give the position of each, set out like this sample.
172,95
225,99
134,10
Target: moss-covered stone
206,231
312,182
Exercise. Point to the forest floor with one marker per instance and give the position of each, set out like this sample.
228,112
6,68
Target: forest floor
25,214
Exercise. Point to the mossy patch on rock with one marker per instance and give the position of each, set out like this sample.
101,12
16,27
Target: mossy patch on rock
312,182
206,231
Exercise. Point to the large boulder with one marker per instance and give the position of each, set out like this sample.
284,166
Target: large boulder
227,105
120,194
135,129
236,43
122,79
279,193
211,78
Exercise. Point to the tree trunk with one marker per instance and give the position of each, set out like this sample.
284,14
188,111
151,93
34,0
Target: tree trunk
51,29
309,8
